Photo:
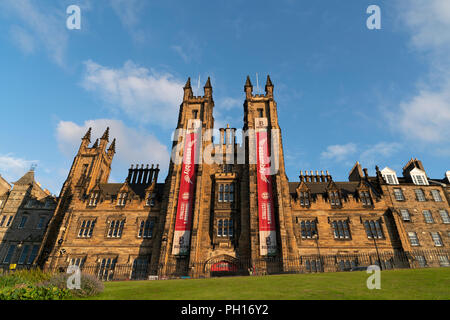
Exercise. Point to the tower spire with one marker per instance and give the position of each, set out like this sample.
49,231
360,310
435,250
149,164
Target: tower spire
248,88
187,89
87,136
208,88
105,135
112,147
269,87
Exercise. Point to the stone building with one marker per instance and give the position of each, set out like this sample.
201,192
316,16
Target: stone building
225,204
25,211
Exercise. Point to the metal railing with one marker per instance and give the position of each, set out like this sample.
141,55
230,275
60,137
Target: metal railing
182,268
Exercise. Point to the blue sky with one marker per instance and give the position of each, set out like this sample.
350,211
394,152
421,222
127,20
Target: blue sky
344,92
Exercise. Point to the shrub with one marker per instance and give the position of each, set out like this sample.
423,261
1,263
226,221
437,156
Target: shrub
89,284
33,292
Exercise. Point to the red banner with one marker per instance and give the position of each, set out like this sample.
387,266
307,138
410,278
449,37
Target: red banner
183,222
267,229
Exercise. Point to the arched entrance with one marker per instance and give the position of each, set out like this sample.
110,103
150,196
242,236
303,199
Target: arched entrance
222,266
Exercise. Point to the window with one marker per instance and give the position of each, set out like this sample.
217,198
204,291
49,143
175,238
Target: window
261,113
106,269
334,198
9,221
93,199
373,229
444,216
443,261
86,228
436,195
227,168
115,228
195,114
308,229
23,220
341,229
122,199
10,253
2,221
436,238
313,265
422,261
398,193
40,223
151,199
33,254
365,198
420,196
225,228
405,215
79,262
226,193
419,179
391,179
413,239
428,217
24,254
146,228
304,199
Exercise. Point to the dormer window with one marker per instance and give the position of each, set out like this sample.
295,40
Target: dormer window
151,199
419,177
389,176
365,198
334,198
447,175
93,199
304,199
122,199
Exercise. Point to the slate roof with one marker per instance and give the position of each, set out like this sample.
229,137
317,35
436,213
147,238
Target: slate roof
112,189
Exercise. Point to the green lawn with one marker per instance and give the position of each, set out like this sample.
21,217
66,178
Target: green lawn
395,284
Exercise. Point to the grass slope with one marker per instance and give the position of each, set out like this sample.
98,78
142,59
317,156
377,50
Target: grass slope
395,284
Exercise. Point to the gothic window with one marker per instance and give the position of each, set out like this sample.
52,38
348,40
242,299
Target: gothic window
304,199
33,254
308,229
115,228
9,221
365,198
261,113
428,217
106,268
405,215
195,114
436,238
443,261
86,228
41,222
413,239
146,228
22,223
373,229
122,199
436,195
398,194
422,261
420,196
24,254
341,229
444,216
79,262
334,198
10,253
2,221
225,228
93,199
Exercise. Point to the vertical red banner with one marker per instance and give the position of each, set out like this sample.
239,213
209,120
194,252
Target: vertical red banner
183,222
267,229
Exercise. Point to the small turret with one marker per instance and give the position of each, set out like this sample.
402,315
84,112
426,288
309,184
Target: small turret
269,87
248,88
187,90
208,88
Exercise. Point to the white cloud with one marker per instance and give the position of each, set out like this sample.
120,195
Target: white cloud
142,94
40,28
132,145
424,117
380,152
428,21
12,168
339,152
